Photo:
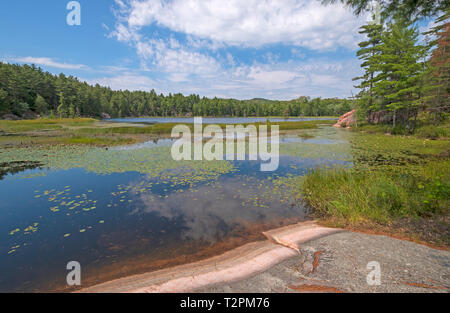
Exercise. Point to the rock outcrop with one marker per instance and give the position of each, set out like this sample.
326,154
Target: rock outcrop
11,117
106,116
346,120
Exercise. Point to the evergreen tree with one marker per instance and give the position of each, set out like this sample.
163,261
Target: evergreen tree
40,104
72,111
3,101
368,51
62,109
401,72
407,8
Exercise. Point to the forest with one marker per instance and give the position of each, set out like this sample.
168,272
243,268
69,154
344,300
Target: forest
28,90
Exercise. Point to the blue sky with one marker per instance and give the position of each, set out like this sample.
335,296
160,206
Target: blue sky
276,49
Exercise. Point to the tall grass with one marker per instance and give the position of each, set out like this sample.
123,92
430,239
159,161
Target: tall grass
97,141
42,124
423,129
166,128
392,177
350,196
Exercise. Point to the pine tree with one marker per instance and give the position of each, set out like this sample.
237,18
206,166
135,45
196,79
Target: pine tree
408,8
62,109
401,72
3,101
40,104
368,51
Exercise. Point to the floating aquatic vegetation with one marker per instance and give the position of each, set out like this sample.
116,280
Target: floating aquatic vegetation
327,144
155,162
27,230
12,232
31,229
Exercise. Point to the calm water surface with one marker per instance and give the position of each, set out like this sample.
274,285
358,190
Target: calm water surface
117,214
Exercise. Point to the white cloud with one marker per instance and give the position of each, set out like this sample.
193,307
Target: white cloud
201,61
426,27
297,53
252,22
171,57
325,80
120,3
126,81
124,34
313,77
48,62
261,77
104,26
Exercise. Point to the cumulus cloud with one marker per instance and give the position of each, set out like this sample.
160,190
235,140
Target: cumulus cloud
312,77
187,46
130,81
48,62
250,23
172,57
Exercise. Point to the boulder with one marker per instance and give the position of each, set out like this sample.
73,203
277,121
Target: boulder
106,116
11,117
346,120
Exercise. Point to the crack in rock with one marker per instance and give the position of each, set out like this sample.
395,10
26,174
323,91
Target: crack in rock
282,242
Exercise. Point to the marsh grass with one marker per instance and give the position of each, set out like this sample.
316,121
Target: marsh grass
86,127
433,132
86,131
20,128
166,128
303,124
156,129
424,129
42,124
306,135
393,178
368,195
96,141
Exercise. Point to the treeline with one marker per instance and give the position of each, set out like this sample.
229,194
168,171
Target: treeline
28,89
402,78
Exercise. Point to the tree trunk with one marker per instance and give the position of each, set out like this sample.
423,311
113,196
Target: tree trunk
393,120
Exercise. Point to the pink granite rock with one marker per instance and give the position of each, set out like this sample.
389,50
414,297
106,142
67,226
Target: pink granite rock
346,120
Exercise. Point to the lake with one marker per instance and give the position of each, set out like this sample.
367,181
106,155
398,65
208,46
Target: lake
132,209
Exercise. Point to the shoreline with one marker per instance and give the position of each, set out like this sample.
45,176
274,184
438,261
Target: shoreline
236,264
301,257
